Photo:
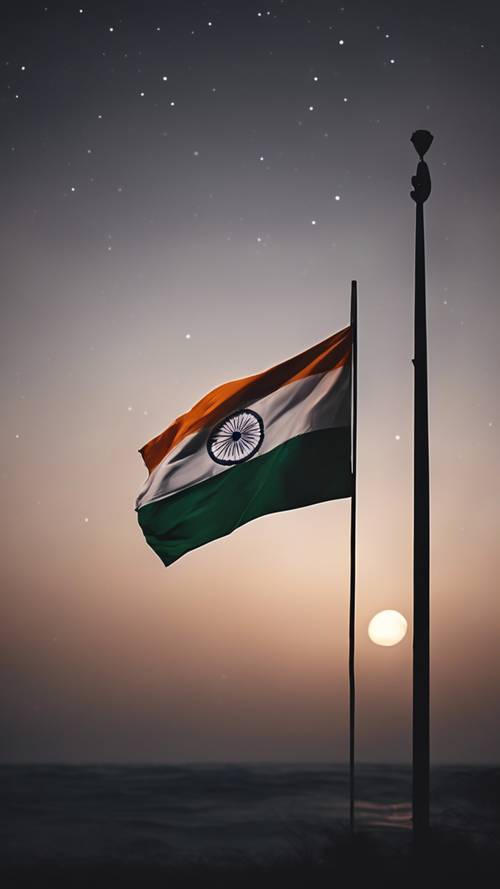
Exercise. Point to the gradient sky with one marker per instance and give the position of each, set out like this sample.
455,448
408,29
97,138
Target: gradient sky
187,190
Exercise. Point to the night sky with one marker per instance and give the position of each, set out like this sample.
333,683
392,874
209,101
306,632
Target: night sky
187,190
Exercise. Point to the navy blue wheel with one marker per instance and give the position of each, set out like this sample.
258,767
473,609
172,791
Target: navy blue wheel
236,438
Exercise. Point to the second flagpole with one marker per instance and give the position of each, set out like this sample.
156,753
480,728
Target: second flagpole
421,182
352,590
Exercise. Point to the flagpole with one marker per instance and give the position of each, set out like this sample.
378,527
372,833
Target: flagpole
352,593
421,748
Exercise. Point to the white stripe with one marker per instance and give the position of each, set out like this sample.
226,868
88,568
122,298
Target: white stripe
319,401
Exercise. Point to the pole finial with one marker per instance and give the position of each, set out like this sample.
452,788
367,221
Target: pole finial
421,141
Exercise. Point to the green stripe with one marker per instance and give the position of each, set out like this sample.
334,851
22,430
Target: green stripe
307,469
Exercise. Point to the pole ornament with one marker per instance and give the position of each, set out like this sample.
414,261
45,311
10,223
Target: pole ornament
421,140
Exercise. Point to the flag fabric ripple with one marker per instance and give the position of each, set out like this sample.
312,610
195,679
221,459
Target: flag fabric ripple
274,441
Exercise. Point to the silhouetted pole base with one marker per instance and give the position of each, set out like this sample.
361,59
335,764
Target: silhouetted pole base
421,190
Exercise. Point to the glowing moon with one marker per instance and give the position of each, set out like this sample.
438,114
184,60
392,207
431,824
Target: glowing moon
387,628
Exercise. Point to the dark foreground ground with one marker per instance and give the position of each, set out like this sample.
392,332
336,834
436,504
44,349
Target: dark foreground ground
246,825
449,862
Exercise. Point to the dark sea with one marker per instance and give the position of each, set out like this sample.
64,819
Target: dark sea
156,815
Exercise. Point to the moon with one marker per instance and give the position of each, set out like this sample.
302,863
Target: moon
387,628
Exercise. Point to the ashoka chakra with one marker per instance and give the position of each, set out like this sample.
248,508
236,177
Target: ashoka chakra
236,438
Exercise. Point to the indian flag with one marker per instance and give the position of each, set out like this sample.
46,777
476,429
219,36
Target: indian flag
273,441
